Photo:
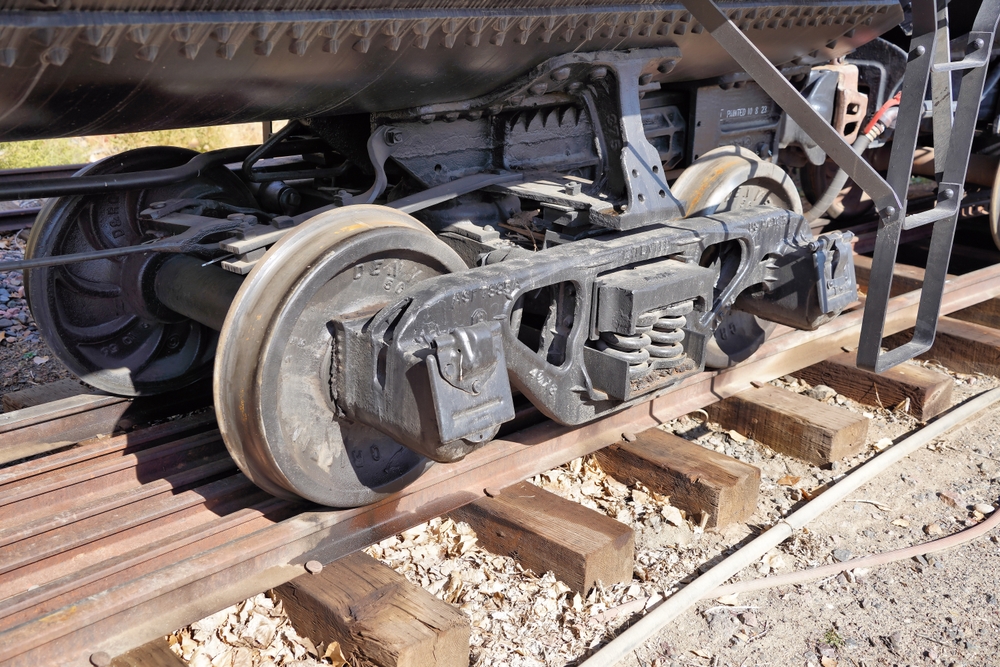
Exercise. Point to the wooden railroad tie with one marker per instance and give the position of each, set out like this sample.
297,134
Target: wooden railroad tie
543,532
793,424
908,278
376,613
967,341
929,391
44,393
154,654
698,480
965,347
50,416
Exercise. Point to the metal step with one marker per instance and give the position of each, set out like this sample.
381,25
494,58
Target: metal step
947,207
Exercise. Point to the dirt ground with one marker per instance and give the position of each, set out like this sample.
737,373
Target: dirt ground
939,610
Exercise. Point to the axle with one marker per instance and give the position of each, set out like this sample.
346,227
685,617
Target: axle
203,293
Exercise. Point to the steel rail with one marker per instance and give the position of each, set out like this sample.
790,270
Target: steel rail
14,220
219,542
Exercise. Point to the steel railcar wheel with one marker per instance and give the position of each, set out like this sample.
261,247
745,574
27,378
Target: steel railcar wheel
98,316
731,178
276,365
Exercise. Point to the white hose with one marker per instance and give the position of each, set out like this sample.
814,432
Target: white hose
688,596
829,195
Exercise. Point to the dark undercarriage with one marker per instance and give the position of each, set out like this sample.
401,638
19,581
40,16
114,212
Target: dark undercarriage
576,206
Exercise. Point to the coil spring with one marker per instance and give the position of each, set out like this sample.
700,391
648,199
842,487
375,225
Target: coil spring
667,335
655,345
634,349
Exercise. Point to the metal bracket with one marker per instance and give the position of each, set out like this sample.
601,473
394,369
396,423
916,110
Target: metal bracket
381,145
287,141
631,190
634,174
468,378
466,357
833,256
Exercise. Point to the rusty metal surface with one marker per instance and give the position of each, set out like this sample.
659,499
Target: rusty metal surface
67,421
107,545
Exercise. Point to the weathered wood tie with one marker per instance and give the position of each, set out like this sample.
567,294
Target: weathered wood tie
376,613
543,532
43,393
698,480
154,654
46,418
908,278
929,391
793,424
965,347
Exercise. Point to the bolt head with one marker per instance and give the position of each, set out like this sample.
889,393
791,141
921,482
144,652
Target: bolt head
947,193
314,567
100,659
890,211
158,204
393,136
667,66
561,74
645,79
629,436
977,43
290,198
920,50
598,73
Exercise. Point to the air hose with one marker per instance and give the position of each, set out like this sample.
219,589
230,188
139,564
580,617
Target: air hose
875,127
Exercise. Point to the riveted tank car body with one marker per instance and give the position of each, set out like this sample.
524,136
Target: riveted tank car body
473,206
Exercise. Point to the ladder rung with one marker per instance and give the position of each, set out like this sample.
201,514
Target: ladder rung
941,212
971,62
896,356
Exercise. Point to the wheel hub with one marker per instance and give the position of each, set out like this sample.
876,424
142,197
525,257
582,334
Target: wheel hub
279,355
101,317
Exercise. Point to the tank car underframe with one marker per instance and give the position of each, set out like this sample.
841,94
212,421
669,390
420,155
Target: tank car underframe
95,67
634,200
427,352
